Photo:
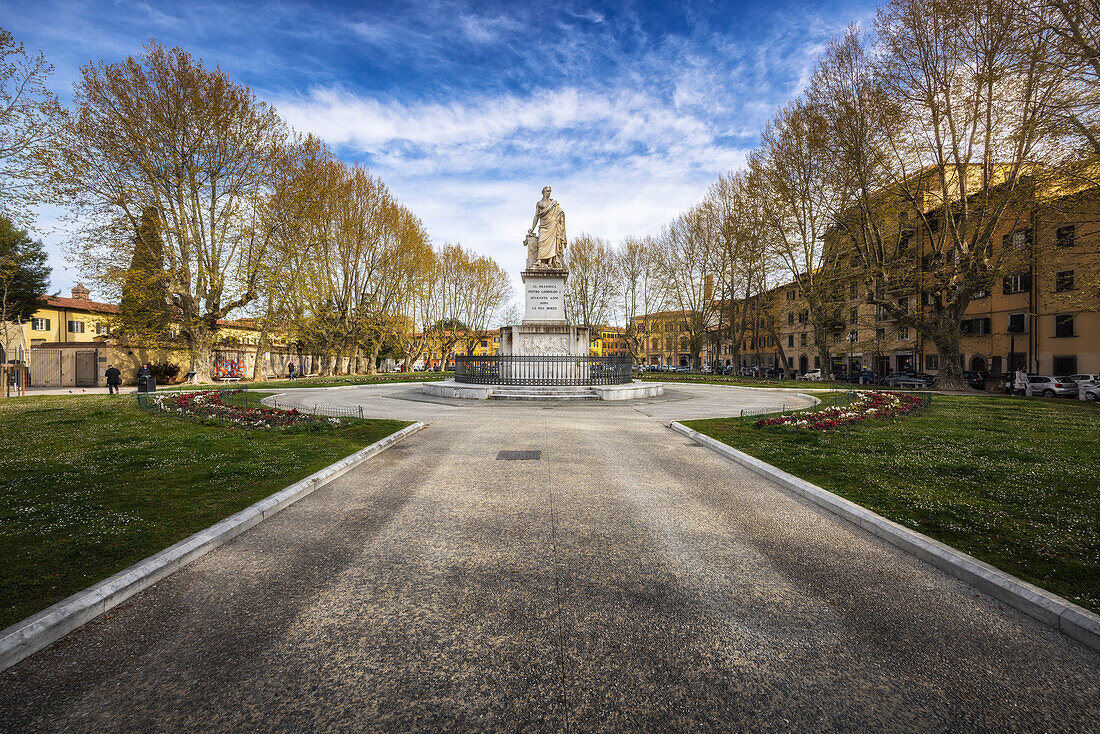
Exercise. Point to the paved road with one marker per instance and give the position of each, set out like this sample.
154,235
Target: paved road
627,579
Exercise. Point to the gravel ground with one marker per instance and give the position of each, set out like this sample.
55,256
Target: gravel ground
626,579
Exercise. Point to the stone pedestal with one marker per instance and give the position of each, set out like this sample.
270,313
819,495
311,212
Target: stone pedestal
544,330
544,295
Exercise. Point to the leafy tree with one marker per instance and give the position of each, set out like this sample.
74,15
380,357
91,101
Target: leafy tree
144,314
163,130
27,110
24,276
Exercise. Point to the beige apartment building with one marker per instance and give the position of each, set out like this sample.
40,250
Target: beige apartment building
1043,316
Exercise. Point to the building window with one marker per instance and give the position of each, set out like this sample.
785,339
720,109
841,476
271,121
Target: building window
981,293
1063,281
802,339
931,361
790,340
40,324
792,295
975,327
1017,240
836,337
803,316
790,318
853,336
1065,365
1065,236
880,333
903,333
484,343
1018,283
853,315
853,289
1063,325
903,304
76,327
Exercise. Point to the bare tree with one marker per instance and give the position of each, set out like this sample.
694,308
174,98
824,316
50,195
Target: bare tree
794,169
955,161
593,282
641,290
687,250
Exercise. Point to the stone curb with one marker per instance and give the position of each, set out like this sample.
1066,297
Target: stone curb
51,624
1051,609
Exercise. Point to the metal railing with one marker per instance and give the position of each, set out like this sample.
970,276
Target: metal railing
330,411
543,370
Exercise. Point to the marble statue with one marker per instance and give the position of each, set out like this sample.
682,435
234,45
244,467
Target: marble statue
550,220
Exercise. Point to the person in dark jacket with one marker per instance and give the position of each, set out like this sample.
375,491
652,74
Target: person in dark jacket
114,379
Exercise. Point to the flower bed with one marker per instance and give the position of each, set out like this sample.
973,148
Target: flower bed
211,405
870,405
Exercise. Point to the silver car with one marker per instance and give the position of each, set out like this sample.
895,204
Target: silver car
1084,381
1051,387
1092,392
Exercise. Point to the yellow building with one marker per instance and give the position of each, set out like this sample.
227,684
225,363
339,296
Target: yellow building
68,342
484,344
608,341
663,338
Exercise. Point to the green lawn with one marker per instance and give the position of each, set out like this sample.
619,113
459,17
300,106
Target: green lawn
1014,482
92,484
335,381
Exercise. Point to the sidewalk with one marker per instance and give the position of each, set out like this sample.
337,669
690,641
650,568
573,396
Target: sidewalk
32,391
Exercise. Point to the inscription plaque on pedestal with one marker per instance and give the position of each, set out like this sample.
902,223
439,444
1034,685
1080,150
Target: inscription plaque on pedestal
544,296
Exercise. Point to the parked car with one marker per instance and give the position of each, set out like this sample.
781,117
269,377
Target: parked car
811,376
975,379
1051,387
1085,381
683,368
727,370
867,377
1092,392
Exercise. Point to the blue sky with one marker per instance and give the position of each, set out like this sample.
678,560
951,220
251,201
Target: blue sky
466,110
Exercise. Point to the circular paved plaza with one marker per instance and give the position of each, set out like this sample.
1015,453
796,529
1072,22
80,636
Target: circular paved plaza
609,574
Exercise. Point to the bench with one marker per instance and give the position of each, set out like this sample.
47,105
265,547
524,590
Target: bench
228,379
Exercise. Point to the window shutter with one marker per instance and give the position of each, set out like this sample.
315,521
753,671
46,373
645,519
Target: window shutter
47,324
1008,286
1025,283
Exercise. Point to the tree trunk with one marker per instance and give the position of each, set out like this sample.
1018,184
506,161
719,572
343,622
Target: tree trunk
372,365
202,360
951,377
200,343
259,369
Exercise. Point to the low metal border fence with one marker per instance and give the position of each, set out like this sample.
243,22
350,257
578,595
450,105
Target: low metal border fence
543,370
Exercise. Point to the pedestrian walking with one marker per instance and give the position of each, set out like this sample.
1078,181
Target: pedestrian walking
290,371
114,379
1021,382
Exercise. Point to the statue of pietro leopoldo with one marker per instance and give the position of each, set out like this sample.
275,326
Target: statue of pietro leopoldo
550,220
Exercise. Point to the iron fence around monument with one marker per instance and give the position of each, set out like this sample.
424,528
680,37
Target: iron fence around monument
543,370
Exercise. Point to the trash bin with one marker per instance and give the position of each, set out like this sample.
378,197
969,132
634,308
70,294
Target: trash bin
147,384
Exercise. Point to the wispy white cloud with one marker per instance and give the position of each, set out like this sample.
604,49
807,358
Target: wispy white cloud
466,109
621,161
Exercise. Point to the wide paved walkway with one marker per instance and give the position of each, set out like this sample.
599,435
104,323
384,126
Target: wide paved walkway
626,579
